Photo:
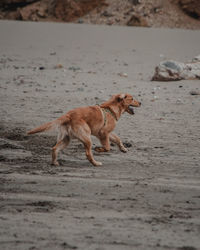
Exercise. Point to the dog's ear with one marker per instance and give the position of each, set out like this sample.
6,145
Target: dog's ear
121,97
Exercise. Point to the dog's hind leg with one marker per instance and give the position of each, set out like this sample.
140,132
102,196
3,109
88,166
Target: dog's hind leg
59,146
83,133
61,133
115,139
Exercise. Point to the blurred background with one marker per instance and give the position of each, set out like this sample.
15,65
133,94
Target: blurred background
144,13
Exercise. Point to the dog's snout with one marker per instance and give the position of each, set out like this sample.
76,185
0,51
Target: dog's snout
137,103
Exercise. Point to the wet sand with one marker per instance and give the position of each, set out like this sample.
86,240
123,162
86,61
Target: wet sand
148,198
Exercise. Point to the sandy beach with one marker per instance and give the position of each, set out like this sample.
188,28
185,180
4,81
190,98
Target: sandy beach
148,198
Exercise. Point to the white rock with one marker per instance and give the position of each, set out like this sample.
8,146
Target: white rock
174,71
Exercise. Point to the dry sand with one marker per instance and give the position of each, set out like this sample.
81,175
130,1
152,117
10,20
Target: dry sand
148,198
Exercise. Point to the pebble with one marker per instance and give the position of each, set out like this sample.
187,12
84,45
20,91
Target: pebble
80,89
53,53
74,68
41,68
127,144
58,66
123,74
194,92
179,101
107,14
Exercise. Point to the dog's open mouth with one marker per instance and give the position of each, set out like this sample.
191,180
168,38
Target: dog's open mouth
131,109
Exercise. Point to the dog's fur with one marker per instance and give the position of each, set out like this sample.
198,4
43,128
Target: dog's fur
81,123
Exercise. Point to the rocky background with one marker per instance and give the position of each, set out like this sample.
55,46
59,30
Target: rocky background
147,13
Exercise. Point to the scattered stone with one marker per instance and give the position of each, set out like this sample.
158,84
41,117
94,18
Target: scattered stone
58,112
179,101
196,59
123,74
127,144
194,92
68,246
41,68
137,20
80,89
135,2
174,71
107,14
187,248
74,68
52,53
156,10
58,66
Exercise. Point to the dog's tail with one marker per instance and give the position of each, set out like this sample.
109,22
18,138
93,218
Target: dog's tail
50,125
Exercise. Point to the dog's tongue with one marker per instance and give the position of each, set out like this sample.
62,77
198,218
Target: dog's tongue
130,107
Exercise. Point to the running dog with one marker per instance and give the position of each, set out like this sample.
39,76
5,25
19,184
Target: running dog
81,123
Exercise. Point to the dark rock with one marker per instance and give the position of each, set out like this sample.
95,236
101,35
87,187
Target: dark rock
187,248
107,14
191,7
127,144
41,68
135,2
137,20
53,53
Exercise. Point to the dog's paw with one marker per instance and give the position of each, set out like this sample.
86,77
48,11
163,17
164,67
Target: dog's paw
97,163
56,163
124,150
100,149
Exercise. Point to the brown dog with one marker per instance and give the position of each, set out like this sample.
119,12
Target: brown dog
81,123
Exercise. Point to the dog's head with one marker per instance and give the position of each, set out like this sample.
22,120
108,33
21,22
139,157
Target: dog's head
127,102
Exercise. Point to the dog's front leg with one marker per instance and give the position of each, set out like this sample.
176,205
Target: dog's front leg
115,139
104,139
